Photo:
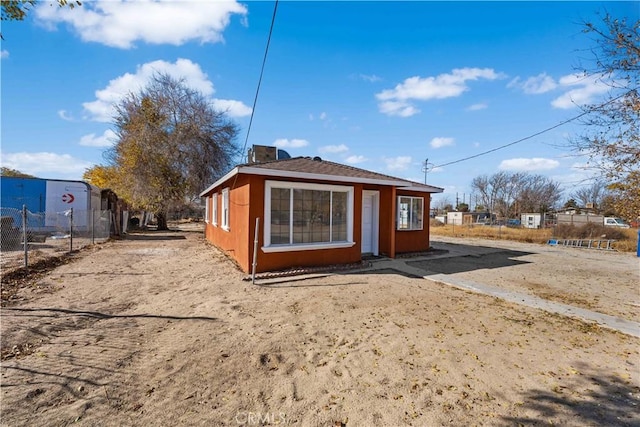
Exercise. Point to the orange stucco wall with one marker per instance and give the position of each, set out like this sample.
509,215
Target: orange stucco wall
414,240
308,258
247,203
234,241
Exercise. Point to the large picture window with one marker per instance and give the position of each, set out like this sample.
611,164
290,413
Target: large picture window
410,213
307,216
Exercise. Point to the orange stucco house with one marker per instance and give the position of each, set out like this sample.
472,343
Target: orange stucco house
314,212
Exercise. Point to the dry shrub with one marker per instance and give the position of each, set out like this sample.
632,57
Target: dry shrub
625,238
435,223
590,231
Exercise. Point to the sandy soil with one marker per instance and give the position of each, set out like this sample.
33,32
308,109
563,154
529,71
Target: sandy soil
160,329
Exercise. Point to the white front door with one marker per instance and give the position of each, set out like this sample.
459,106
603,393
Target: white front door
369,240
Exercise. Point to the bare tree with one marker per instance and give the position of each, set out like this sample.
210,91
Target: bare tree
593,194
497,192
538,194
509,194
442,203
612,136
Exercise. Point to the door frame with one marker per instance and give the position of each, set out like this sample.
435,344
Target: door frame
375,220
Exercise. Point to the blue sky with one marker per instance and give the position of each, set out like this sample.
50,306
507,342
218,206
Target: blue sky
378,85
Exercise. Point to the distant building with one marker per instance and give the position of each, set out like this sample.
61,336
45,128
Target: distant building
468,218
531,220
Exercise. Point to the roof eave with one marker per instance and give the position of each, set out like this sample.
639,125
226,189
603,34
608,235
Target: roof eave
249,170
233,172
424,189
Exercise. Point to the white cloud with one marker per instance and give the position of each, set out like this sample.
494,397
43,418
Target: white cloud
333,149
4,54
396,101
290,143
397,108
231,107
371,78
586,89
107,139
103,110
533,164
397,163
354,160
440,142
64,115
120,23
535,85
323,116
45,165
477,107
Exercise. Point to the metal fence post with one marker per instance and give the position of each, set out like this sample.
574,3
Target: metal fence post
71,230
24,235
92,227
255,253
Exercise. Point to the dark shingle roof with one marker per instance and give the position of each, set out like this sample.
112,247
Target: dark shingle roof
320,167
307,167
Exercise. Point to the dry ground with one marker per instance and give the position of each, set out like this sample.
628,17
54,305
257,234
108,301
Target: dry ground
160,329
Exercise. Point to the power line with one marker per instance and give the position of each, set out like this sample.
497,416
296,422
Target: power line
255,99
533,135
264,61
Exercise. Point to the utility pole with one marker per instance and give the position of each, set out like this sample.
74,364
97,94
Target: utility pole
425,169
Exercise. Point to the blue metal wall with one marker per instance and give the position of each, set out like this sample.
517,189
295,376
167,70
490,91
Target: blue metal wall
15,192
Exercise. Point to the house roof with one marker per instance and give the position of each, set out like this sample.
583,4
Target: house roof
318,169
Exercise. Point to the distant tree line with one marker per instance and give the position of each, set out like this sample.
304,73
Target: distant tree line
508,194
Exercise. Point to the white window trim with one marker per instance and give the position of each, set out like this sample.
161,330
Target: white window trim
268,248
206,209
215,210
410,223
225,209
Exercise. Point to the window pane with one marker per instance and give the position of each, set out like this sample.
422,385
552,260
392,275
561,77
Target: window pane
311,216
320,217
416,213
280,200
339,217
403,213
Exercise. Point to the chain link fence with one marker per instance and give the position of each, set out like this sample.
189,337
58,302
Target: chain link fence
28,237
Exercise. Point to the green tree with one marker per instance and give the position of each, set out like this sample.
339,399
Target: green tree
611,137
462,207
171,144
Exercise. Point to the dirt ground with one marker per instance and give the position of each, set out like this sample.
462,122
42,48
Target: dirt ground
161,329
